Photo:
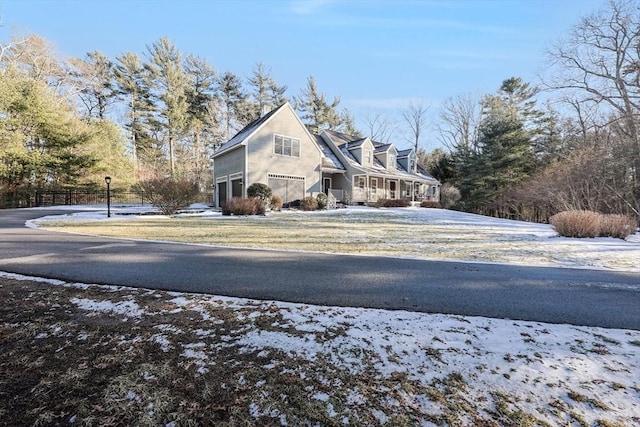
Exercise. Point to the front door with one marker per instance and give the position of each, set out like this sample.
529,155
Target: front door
392,189
326,185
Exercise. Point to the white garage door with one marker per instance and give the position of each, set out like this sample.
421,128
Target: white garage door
288,187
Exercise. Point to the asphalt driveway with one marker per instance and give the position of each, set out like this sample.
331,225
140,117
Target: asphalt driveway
555,295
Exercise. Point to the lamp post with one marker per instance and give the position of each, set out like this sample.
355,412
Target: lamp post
107,179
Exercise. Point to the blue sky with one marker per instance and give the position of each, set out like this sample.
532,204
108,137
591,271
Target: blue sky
376,55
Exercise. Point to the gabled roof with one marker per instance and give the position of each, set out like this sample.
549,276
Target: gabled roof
380,147
329,160
246,132
404,153
344,143
339,139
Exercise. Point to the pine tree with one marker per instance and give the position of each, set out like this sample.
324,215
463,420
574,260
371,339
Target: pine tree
348,123
503,154
93,77
266,94
133,83
45,142
167,74
315,111
236,109
201,86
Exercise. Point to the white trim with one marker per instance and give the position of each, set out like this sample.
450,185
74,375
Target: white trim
234,176
221,179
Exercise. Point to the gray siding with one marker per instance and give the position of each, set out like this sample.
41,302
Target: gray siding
263,160
229,163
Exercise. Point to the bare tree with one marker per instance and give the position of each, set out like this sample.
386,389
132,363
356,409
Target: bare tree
379,127
459,118
600,61
415,115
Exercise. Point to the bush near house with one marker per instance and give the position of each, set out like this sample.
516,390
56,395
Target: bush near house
309,204
392,203
430,204
260,191
449,195
169,194
242,207
579,223
323,200
276,202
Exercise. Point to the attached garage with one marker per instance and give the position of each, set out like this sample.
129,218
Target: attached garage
288,187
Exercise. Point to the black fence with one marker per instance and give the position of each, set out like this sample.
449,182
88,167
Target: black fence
78,197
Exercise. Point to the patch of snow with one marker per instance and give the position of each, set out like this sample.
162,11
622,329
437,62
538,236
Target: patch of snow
126,308
162,341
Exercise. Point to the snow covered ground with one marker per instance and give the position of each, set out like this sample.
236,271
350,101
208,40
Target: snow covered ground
436,367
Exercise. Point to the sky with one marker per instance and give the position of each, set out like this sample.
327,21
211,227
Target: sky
377,56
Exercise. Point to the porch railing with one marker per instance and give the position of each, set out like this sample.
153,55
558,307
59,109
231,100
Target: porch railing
338,195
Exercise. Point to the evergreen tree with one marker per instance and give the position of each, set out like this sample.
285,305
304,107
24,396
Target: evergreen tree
132,83
266,94
235,104
43,139
315,111
548,140
93,77
348,124
169,84
504,155
201,86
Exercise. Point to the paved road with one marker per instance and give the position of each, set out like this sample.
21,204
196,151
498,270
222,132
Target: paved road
580,297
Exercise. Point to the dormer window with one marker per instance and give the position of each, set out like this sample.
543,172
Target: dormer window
366,157
391,162
412,165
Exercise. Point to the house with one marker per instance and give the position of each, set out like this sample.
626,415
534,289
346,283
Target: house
278,150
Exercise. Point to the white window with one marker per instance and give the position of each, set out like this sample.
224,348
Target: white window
361,182
392,161
286,146
412,165
374,185
367,157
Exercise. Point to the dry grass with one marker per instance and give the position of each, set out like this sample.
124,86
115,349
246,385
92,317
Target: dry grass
153,358
375,232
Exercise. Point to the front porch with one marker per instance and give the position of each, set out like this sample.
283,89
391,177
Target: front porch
369,189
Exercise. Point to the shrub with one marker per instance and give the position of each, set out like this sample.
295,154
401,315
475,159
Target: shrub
430,204
392,203
276,202
309,204
323,200
293,204
242,207
619,226
170,195
576,223
449,195
260,191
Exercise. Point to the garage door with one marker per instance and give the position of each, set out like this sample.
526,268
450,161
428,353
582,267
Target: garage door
288,187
